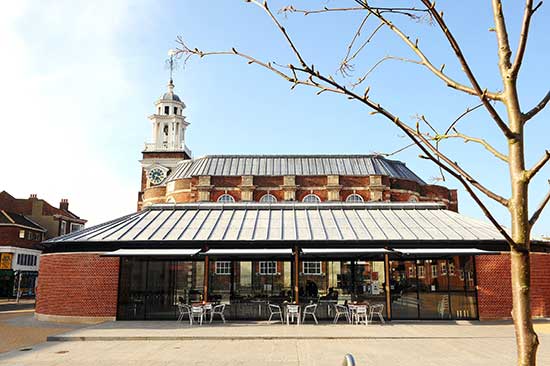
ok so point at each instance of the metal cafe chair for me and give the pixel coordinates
(292, 311)
(275, 310)
(218, 310)
(341, 310)
(377, 310)
(197, 312)
(360, 313)
(185, 310)
(310, 310)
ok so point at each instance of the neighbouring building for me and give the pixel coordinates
(24, 224)
(250, 230)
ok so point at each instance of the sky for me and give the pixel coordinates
(79, 79)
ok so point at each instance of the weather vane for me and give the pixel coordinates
(171, 62)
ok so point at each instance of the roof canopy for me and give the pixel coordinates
(280, 165)
(257, 225)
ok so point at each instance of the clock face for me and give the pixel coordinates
(156, 175)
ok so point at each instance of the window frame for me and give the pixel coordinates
(222, 268)
(316, 197)
(268, 268)
(434, 271)
(349, 198)
(221, 199)
(308, 266)
(268, 198)
(421, 271)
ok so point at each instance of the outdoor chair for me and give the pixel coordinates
(197, 312)
(341, 310)
(377, 310)
(275, 310)
(292, 311)
(218, 310)
(310, 310)
(185, 310)
(360, 313)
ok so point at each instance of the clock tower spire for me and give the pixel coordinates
(167, 147)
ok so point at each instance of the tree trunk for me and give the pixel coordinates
(526, 338)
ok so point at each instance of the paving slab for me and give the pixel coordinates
(170, 330)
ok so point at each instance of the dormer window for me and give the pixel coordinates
(166, 110)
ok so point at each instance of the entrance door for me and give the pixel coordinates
(160, 302)
(403, 289)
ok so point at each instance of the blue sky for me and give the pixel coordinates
(80, 81)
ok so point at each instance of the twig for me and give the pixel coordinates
(482, 94)
(477, 140)
(530, 174)
(539, 107)
(539, 210)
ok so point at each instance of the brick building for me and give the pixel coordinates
(249, 230)
(24, 223)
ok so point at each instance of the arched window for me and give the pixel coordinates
(355, 198)
(171, 200)
(166, 109)
(268, 198)
(226, 198)
(175, 110)
(311, 198)
(413, 199)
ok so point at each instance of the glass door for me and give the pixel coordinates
(403, 289)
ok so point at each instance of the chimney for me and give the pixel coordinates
(64, 204)
(32, 196)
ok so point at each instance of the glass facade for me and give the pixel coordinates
(433, 288)
(419, 288)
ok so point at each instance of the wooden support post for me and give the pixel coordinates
(387, 286)
(206, 277)
(296, 273)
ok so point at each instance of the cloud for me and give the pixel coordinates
(63, 84)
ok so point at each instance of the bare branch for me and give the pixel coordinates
(482, 94)
(530, 174)
(539, 210)
(539, 107)
(504, 50)
(477, 140)
(325, 83)
(345, 64)
(528, 13)
(468, 110)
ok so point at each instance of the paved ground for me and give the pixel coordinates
(262, 344)
(19, 329)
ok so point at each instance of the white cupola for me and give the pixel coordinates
(168, 124)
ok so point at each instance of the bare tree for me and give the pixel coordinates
(423, 134)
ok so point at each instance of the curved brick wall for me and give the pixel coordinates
(494, 288)
(81, 285)
(390, 189)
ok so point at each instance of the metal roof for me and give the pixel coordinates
(341, 222)
(305, 165)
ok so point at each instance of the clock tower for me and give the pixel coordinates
(168, 147)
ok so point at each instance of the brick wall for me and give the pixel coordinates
(395, 189)
(10, 236)
(494, 288)
(78, 284)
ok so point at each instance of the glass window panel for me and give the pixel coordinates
(463, 305)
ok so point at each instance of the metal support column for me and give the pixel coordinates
(206, 278)
(387, 288)
(296, 273)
